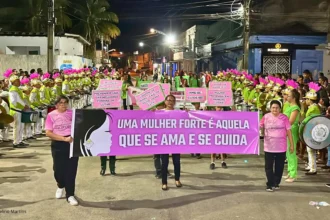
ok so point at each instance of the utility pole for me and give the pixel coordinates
(50, 36)
(246, 37)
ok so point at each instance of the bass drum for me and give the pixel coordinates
(314, 131)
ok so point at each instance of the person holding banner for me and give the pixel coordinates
(127, 83)
(277, 129)
(169, 106)
(58, 129)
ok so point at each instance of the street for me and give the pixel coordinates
(27, 190)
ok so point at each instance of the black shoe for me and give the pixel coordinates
(212, 166)
(32, 138)
(224, 165)
(199, 157)
(113, 173)
(23, 144)
(325, 167)
(102, 172)
(18, 146)
(311, 173)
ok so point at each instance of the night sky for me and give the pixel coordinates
(138, 16)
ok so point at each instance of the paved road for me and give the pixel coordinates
(27, 186)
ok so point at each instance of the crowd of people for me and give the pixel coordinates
(283, 103)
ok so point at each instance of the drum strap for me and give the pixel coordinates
(16, 110)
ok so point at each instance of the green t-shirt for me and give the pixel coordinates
(313, 110)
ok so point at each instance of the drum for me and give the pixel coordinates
(50, 109)
(314, 131)
(43, 113)
(29, 117)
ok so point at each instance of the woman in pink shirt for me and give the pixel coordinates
(276, 128)
(58, 128)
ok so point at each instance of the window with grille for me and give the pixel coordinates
(276, 64)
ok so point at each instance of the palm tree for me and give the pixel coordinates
(96, 22)
(33, 15)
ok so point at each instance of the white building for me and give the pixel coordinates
(29, 51)
(27, 44)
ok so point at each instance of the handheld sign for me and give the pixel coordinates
(132, 92)
(219, 98)
(106, 84)
(150, 98)
(106, 98)
(165, 86)
(226, 86)
(195, 94)
(144, 85)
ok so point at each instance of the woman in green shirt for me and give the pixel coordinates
(293, 113)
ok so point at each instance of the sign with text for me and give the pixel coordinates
(219, 98)
(106, 84)
(115, 132)
(144, 85)
(106, 98)
(165, 86)
(225, 85)
(195, 94)
(150, 98)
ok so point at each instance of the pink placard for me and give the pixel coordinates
(106, 84)
(195, 94)
(150, 98)
(219, 98)
(179, 96)
(165, 86)
(106, 98)
(225, 86)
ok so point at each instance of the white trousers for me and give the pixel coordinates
(38, 126)
(17, 128)
(311, 159)
(27, 130)
(4, 133)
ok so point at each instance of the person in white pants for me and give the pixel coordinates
(27, 131)
(17, 105)
(35, 104)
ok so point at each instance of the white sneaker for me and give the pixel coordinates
(59, 193)
(72, 200)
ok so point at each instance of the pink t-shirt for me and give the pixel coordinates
(275, 139)
(59, 123)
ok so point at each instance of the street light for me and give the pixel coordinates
(152, 30)
(141, 44)
(121, 52)
(170, 39)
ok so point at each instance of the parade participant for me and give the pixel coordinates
(277, 128)
(57, 88)
(177, 80)
(312, 100)
(222, 156)
(17, 105)
(44, 93)
(35, 102)
(194, 81)
(126, 84)
(27, 127)
(170, 103)
(261, 98)
(66, 88)
(4, 133)
(293, 113)
(277, 90)
(58, 128)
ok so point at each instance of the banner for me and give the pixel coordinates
(115, 132)
(226, 85)
(150, 98)
(195, 94)
(107, 84)
(165, 86)
(219, 98)
(106, 98)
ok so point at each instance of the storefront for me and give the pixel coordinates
(276, 58)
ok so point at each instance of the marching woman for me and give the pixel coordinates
(276, 128)
(293, 113)
(169, 106)
(58, 128)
